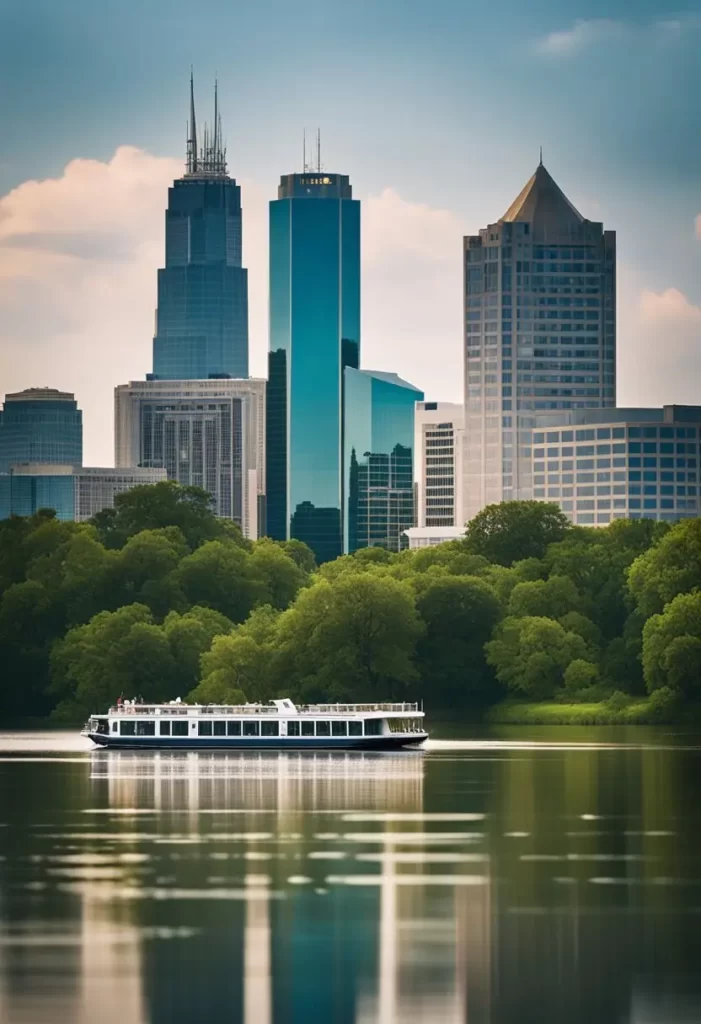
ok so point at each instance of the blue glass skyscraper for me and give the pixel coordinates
(202, 315)
(314, 334)
(378, 459)
(41, 425)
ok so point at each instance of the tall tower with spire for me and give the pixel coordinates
(540, 337)
(202, 314)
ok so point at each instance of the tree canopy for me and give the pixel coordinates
(514, 530)
(158, 597)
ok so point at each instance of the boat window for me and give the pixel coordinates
(233, 728)
(127, 728)
(205, 728)
(339, 728)
(180, 728)
(307, 728)
(251, 728)
(145, 728)
(165, 728)
(355, 728)
(115, 726)
(220, 728)
(270, 728)
(323, 728)
(293, 728)
(373, 726)
(405, 725)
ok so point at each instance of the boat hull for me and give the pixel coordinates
(256, 743)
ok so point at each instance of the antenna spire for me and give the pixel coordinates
(540, 164)
(192, 131)
(318, 150)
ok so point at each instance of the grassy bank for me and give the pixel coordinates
(638, 711)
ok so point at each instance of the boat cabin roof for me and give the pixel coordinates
(282, 707)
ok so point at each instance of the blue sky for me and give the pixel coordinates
(440, 107)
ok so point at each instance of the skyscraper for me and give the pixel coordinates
(40, 425)
(540, 333)
(378, 431)
(202, 315)
(314, 334)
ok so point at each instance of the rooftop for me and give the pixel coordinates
(40, 395)
(541, 201)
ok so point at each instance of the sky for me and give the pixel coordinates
(436, 111)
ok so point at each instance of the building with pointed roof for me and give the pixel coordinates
(540, 333)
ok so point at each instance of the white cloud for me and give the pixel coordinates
(659, 349)
(412, 287)
(580, 36)
(585, 33)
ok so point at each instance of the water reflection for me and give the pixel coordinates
(481, 883)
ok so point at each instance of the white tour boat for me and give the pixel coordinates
(274, 726)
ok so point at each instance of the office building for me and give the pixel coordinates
(540, 333)
(74, 492)
(428, 536)
(606, 464)
(439, 464)
(206, 433)
(378, 431)
(40, 425)
(202, 315)
(314, 334)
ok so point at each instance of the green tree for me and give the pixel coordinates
(219, 575)
(459, 613)
(278, 573)
(530, 655)
(155, 506)
(514, 530)
(116, 652)
(241, 661)
(551, 598)
(672, 646)
(353, 638)
(580, 675)
(300, 553)
(190, 636)
(671, 567)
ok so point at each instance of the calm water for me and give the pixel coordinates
(542, 875)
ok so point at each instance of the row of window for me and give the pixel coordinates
(372, 727)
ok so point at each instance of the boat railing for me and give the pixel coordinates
(262, 709)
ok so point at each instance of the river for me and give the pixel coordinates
(531, 874)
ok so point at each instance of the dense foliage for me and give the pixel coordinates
(157, 597)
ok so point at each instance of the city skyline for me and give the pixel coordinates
(86, 236)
